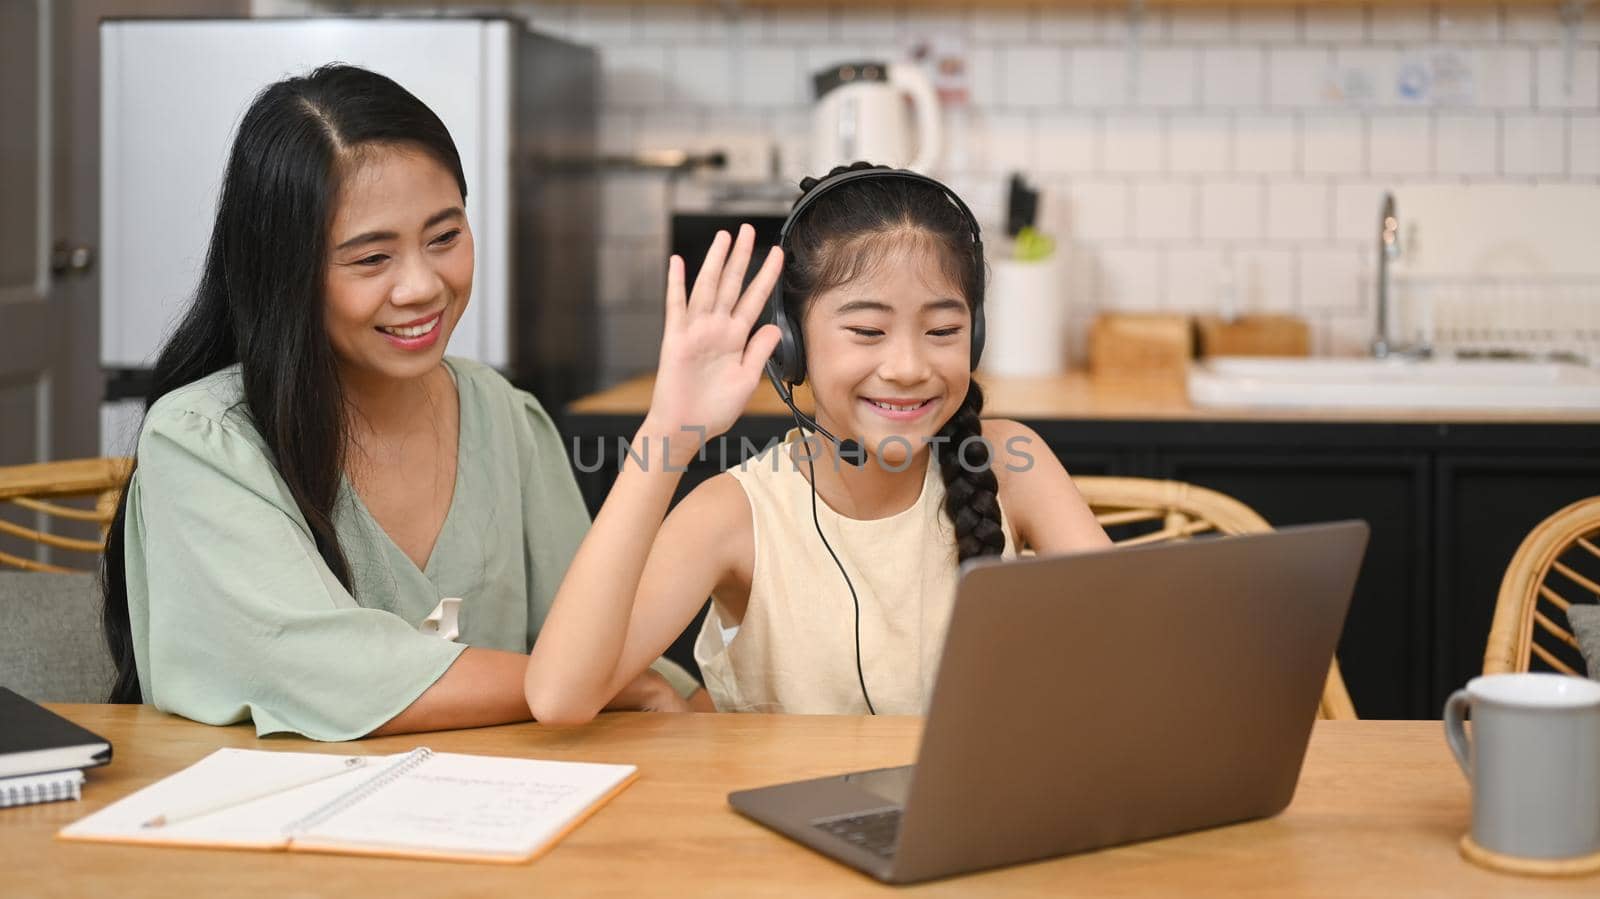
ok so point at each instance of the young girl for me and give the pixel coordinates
(313, 477)
(832, 582)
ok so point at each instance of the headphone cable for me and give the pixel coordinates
(854, 602)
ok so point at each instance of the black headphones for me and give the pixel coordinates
(788, 362)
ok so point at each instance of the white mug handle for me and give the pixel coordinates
(1455, 729)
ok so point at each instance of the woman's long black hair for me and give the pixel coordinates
(259, 303)
(838, 239)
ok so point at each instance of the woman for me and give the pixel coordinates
(313, 476)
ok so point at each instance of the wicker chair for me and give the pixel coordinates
(36, 489)
(1557, 566)
(1141, 510)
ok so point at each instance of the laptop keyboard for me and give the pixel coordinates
(875, 832)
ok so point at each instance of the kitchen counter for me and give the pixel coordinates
(1077, 396)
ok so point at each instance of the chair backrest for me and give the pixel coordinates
(52, 648)
(38, 488)
(1557, 566)
(1145, 510)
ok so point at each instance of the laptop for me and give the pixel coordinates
(1094, 699)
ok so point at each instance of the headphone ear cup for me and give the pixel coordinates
(795, 364)
(790, 353)
(977, 333)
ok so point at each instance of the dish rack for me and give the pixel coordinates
(1532, 316)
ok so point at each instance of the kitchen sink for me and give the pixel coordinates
(1394, 383)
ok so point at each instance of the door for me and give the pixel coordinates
(43, 368)
(51, 384)
(31, 325)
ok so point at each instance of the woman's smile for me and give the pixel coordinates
(416, 335)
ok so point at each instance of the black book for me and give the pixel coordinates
(34, 740)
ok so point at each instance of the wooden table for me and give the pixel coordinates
(1378, 812)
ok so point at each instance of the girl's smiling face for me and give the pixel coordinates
(888, 353)
(399, 267)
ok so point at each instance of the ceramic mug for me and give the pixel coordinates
(1533, 761)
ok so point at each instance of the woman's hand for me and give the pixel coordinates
(710, 361)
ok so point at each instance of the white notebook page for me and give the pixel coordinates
(471, 804)
(226, 772)
(444, 804)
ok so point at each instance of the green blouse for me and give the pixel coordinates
(235, 615)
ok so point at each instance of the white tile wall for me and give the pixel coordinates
(1065, 144)
(1265, 144)
(1132, 143)
(1195, 276)
(1300, 211)
(1504, 77)
(1568, 81)
(1356, 206)
(1297, 77)
(1131, 278)
(1264, 280)
(1333, 143)
(1583, 154)
(1198, 144)
(1233, 76)
(1167, 77)
(702, 74)
(1399, 145)
(1232, 210)
(1533, 145)
(1093, 210)
(1333, 279)
(1033, 78)
(1099, 77)
(1007, 143)
(1466, 144)
(769, 76)
(1164, 210)
(1223, 149)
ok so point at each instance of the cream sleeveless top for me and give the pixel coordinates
(795, 649)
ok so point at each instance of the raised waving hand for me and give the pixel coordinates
(710, 361)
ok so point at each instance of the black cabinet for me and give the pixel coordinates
(1388, 491)
(1447, 503)
(1484, 506)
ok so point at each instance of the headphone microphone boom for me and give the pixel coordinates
(848, 450)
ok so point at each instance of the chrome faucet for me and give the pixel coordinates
(1388, 251)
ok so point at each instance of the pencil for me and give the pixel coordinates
(185, 813)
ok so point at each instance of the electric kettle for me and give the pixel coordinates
(862, 113)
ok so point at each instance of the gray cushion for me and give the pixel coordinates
(1585, 621)
(51, 647)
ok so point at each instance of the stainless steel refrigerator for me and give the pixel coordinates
(520, 105)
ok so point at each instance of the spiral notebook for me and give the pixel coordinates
(420, 804)
(56, 786)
